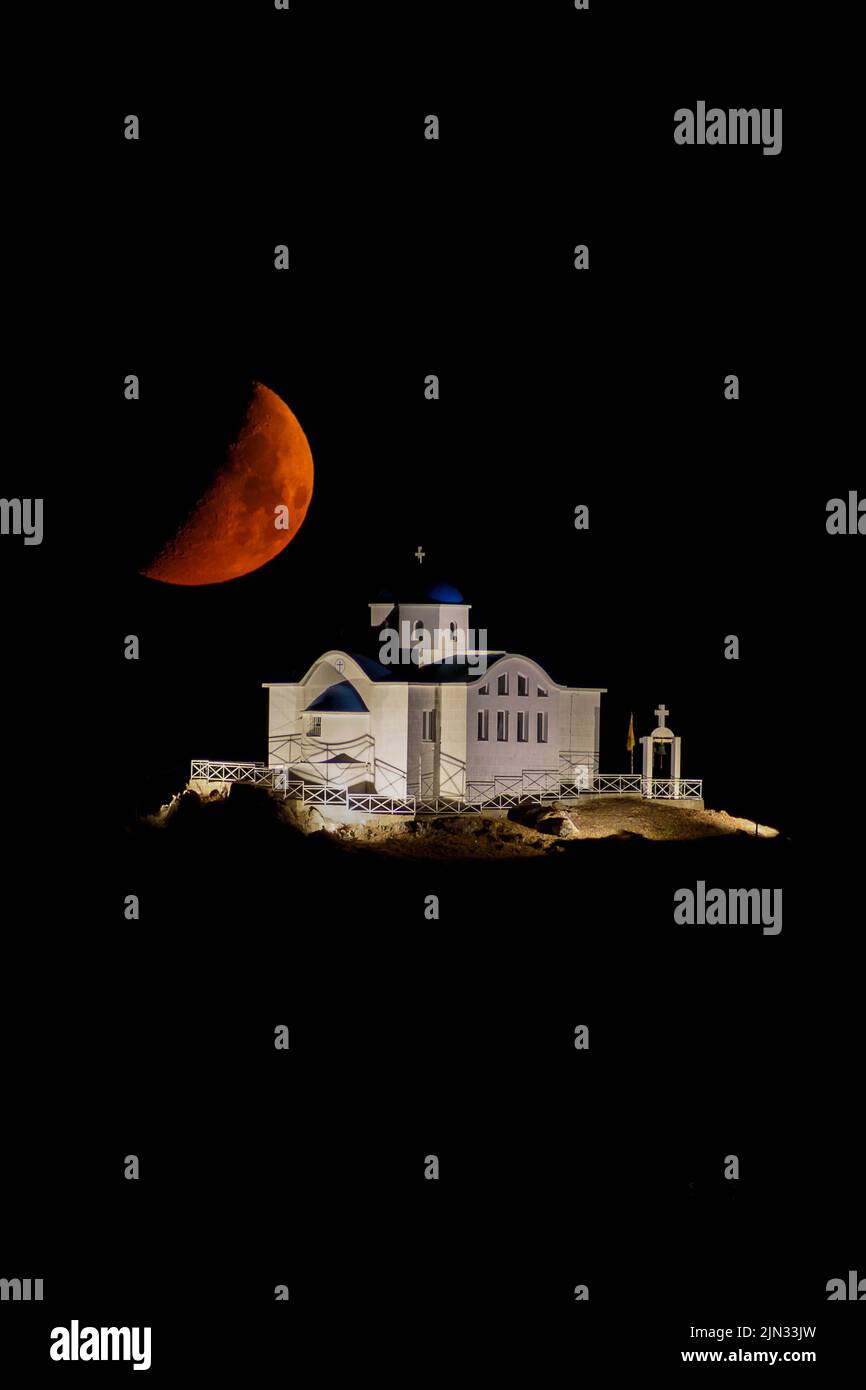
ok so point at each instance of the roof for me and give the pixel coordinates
(444, 593)
(341, 698)
(434, 673)
(371, 667)
(449, 672)
(417, 590)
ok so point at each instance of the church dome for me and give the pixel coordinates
(414, 588)
(443, 593)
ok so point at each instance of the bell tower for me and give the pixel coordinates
(661, 754)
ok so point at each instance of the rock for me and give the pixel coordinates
(528, 811)
(450, 824)
(308, 819)
(558, 823)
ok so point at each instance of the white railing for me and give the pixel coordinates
(499, 793)
(671, 789)
(619, 784)
(255, 773)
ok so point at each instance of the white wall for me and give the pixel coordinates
(438, 617)
(452, 732)
(389, 723)
(284, 705)
(572, 721)
(420, 758)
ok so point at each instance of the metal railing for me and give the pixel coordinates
(671, 788)
(618, 784)
(257, 774)
(499, 793)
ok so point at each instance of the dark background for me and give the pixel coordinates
(707, 517)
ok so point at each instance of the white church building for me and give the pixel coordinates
(436, 720)
(435, 714)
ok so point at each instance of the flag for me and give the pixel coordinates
(629, 743)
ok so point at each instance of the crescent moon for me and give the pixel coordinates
(252, 508)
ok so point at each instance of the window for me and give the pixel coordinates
(542, 690)
(418, 628)
(541, 727)
(502, 685)
(523, 726)
(483, 724)
(428, 726)
(522, 685)
(484, 690)
(502, 726)
(453, 627)
(315, 729)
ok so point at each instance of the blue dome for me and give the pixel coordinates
(444, 593)
(341, 698)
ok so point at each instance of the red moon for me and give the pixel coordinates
(234, 527)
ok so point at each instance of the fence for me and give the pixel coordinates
(500, 793)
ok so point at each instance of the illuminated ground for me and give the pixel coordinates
(484, 837)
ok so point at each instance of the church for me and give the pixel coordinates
(434, 714)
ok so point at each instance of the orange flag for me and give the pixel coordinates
(629, 743)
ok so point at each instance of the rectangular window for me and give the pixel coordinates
(541, 727)
(502, 685)
(483, 724)
(542, 690)
(428, 726)
(502, 726)
(315, 729)
(523, 726)
(484, 690)
(522, 685)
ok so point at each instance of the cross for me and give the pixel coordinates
(340, 664)
(419, 555)
(661, 712)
